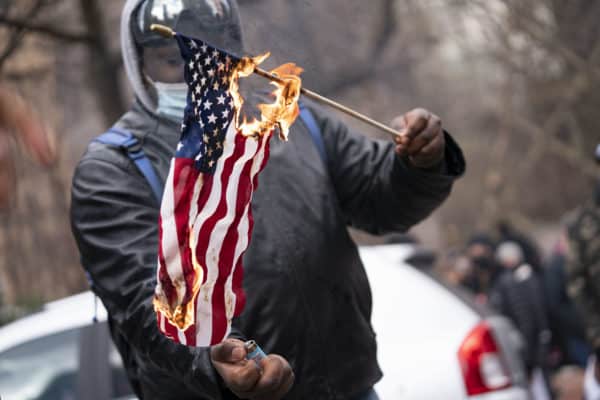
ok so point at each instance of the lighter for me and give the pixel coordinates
(254, 352)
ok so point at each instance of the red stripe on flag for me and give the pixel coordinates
(163, 277)
(171, 330)
(238, 272)
(230, 241)
(190, 332)
(185, 178)
(202, 199)
(208, 227)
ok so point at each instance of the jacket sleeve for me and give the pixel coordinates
(114, 219)
(378, 191)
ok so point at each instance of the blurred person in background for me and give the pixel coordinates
(583, 265)
(454, 268)
(567, 383)
(531, 253)
(518, 294)
(482, 270)
(308, 297)
(18, 122)
(568, 335)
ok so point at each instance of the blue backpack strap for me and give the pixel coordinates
(131, 145)
(315, 132)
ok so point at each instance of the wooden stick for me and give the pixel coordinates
(168, 32)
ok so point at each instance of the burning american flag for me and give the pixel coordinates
(206, 217)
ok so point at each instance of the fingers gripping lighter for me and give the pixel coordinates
(254, 352)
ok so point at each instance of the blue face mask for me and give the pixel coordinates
(172, 99)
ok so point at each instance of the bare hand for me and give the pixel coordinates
(271, 381)
(422, 138)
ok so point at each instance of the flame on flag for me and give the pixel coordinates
(206, 217)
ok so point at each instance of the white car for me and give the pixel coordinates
(431, 344)
(59, 353)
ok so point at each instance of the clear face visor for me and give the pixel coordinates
(213, 21)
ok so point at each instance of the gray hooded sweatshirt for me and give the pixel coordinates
(308, 298)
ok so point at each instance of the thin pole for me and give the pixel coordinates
(168, 32)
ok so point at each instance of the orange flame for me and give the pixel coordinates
(182, 314)
(282, 112)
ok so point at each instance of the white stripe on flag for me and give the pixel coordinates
(222, 226)
(243, 231)
(162, 322)
(170, 242)
(204, 300)
(181, 336)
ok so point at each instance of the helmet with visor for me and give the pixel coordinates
(215, 21)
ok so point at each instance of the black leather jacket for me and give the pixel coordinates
(308, 297)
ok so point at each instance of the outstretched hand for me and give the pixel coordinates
(270, 380)
(421, 139)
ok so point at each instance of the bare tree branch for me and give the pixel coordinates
(367, 70)
(103, 72)
(536, 30)
(17, 35)
(360, 77)
(388, 27)
(556, 146)
(13, 44)
(44, 28)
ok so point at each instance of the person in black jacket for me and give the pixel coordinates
(308, 298)
(518, 294)
(531, 252)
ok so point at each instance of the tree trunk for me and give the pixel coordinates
(103, 71)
